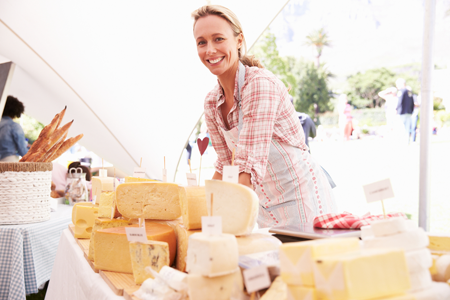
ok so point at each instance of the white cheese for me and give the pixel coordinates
(420, 280)
(389, 226)
(224, 287)
(408, 241)
(257, 242)
(418, 260)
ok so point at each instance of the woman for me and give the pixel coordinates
(12, 138)
(345, 117)
(249, 111)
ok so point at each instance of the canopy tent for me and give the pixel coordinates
(127, 70)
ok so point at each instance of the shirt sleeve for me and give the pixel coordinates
(261, 102)
(19, 139)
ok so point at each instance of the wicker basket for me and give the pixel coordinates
(25, 192)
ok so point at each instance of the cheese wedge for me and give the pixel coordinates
(102, 184)
(83, 218)
(106, 202)
(112, 251)
(439, 242)
(182, 245)
(298, 292)
(103, 223)
(408, 241)
(149, 200)
(137, 179)
(193, 206)
(237, 204)
(212, 255)
(419, 260)
(297, 259)
(277, 291)
(257, 242)
(217, 288)
(361, 275)
(151, 254)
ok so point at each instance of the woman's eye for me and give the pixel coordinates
(219, 39)
(201, 43)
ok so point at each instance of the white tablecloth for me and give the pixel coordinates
(73, 278)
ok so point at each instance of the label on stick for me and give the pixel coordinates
(164, 175)
(94, 199)
(136, 234)
(231, 174)
(378, 191)
(139, 172)
(256, 279)
(212, 225)
(191, 179)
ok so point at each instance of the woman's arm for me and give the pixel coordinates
(217, 176)
(246, 179)
(19, 139)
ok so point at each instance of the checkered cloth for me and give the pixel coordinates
(349, 221)
(27, 253)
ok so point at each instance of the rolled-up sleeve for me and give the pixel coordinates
(19, 139)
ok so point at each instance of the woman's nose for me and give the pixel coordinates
(210, 49)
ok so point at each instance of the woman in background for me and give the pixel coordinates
(12, 138)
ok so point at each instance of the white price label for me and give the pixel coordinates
(212, 225)
(191, 179)
(112, 211)
(256, 279)
(142, 223)
(231, 174)
(164, 175)
(139, 172)
(136, 234)
(378, 191)
(94, 199)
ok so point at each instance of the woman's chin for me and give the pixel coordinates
(216, 71)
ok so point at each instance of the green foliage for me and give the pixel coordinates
(366, 116)
(437, 104)
(442, 118)
(318, 39)
(31, 127)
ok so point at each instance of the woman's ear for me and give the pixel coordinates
(240, 40)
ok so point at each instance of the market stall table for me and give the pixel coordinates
(27, 253)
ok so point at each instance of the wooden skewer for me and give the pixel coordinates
(200, 170)
(190, 168)
(252, 296)
(384, 212)
(232, 156)
(212, 202)
(140, 165)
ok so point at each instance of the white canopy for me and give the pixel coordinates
(127, 70)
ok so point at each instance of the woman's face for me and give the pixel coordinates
(217, 46)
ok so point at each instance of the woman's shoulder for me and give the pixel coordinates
(261, 76)
(213, 94)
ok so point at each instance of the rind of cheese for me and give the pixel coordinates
(137, 179)
(105, 202)
(103, 223)
(212, 255)
(389, 226)
(151, 254)
(182, 245)
(193, 206)
(408, 241)
(237, 204)
(419, 260)
(217, 288)
(439, 242)
(149, 200)
(84, 217)
(442, 267)
(102, 184)
(257, 242)
(112, 251)
(367, 274)
(298, 292)
(297, 259)
(420, 280)
(277, 291)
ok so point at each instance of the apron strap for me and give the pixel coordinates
(240, 84)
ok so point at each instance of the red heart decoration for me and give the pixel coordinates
(202, 145)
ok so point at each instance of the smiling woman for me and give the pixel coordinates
(249, 113)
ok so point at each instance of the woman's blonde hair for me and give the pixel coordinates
(231, 18)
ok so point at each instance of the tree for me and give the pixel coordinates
(318, 39)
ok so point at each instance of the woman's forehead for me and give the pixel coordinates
(211, 25)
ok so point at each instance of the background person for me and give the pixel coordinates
(405, 106)
(345, 117)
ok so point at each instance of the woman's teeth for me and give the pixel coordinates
(216, 60)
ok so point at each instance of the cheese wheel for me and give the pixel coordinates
(102, 223)
(193, 206)
(182, 245)
(137, 179)
(83, 217)
(151, 254)
(105, 202)
(112, 251)
(298, 292)
(436, 291)
(224, 287)
(420, 280)
(366, 231)
(102, 184)
(439, 242)
(408, 241)
(149, 200)
(442, 268)
(237, 204)
(389, 226)
(418, 260)
(257, 242)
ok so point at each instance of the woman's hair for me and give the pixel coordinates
(13, 108)
(231, 18)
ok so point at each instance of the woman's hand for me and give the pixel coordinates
(245, 179)
(217, 176)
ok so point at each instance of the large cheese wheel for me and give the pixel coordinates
(102, 223)
(408, 241)
(217, 288)
(137, 179)
(102, 184)
(235, 203)
(257, 242)
(193, 206)
(439, 242)
(149, 200)
(106, 202)
(182, 245)
(112, 251)
(389, 226)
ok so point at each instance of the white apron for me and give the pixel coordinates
(294, 189)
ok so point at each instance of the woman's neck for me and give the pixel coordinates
(227, 81)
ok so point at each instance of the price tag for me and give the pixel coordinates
(378, 191)
(256, 279)
(112, 211)
(212, 225)
(164, 175)
(102, 173)
(230, 174)
(142, 223)
(136, 234)
(139, 172)
(191, 179)
(94, 199)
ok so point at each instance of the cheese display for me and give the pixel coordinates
(182, 245)
(442, 267)
(103, 223)
(112, 251)
(149, 200)
(102, 184)
(419, 280)
(151, 254)
(408, 240)
(137, 179)
(218, 288)
(277, 291)
(418, 260)
(366, 231)
(348, 275)
(212, 255)
(439, 242)
(83, 217)
(237, 204)
(297, 259)
(295, 292)
(257, 242)
(106, 201)
(389, 226)
(193, 206)
(74, 210)
(436, 291)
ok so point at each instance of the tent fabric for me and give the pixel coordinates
(127, 70)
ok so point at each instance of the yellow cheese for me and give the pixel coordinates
(439, 242)
(433, 268)
(297, 259)
(361, 275)
(102, 184)
(149, 200)
(112, 251)
(105, 202)
(257, 242)
(217, 288)
(277, 291)
(83, 204)
(193, 206)
(84, 220)
(103, 224)
(137, 179)
(182, 245)
(298, 292)
(151, 254)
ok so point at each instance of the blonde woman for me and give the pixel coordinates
(249, 111)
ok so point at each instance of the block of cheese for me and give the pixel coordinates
(103, 223)
(193, 206)
(182, 245)
(367, 274)
(433, 269)
(102, 184)
(74, 210)
(257, 242)
(137, 179)
(420, 280)
(297, 259)
(437, 291)
(419, 260)
(83, 218)
(212, 255)
(442, 267)
(277, 290)
(366, 231)
(298, 292)
(151, 254)
(408, 241)
(237, 204)
(224, 287)
(149, 200)
(105, 203)
(439, 242)
(112, 251)
(389, 226)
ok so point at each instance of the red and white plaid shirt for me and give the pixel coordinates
(268, 114)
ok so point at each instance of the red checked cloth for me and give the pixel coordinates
(347, 220)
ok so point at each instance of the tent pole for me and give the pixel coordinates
(6, 74)
(426, 111)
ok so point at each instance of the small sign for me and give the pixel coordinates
(378, 191)
(191, 179)
(164, 175)
(139, 172)
(230, 174)
(112, 211)
(142, 223)
(256, 279)
(94, 199)
(136, 234)
(212, 225)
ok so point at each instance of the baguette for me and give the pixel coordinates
(54, 139)
(61, 117)
(65, 146)
(53, 150)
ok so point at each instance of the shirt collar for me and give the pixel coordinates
(220, 93)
